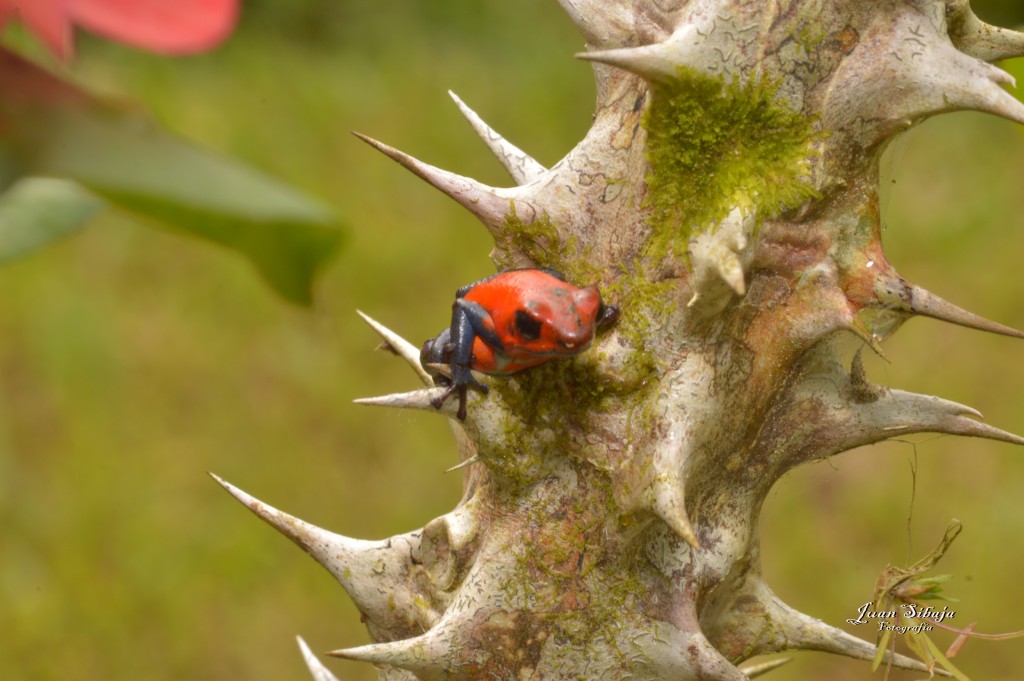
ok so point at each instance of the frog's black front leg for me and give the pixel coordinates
(469, 321)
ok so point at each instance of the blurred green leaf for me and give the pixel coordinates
(35, 211)
(937, 655)
(880, 648)
(930, 588)
(916, 643)
(53, 129)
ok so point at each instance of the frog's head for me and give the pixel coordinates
(557, 320)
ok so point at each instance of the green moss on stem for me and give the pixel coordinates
(539, 243)
(713, 146)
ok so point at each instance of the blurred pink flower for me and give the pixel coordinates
(164, 26)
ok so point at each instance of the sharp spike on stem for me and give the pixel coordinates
(994, 43)
(974, 84)
(970, 427)
(669, 504)
(851, 412)
(316, 667)
(423, 655)
(860, 329)
(895, 293)
(753, 671)
(717, 255)
(680, 524)
(973, 36)
(417, 399)
(803, 632)
(311, 538)
(900, 413)
(373, 573)
(658, 62)
(468, 462)
(649, 61)
(406, 350)
(758, 622)
(897, 412)
(969, 83)
(333, 551)
(947, 407)
(999, 76)
(731, 270)
(520, 165)
(994, 99)
(925, 303)
(489, 204)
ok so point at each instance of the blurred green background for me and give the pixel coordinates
(133, 361)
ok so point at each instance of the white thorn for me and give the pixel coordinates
(973, 36)
(731, 270)
(996, 100)
(406, 350)
(896, 293)
(755, 670)
(659, 62)
(861, 330)
(755, 620)
(648, 61)
(468, 462)
(907, 412)
(971, 428)
(316, 667)
(520, 165)
(1003, 77)
(373, 573)
(669, 504)
(489, 204)
(797, 631)
(720, 255)
(679, 524)
(417, 399)
(844, 417)
(974, 84)
(424, 655)
(925, 303)
(333, 551)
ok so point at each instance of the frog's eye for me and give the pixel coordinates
(526, 326)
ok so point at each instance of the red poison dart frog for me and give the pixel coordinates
(512, 321)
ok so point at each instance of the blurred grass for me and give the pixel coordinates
(132, 361)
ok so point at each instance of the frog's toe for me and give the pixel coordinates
(439, 401)
(477, 385)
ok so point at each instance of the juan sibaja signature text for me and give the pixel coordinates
(887, 618)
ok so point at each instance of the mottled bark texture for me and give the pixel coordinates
(726, 199)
